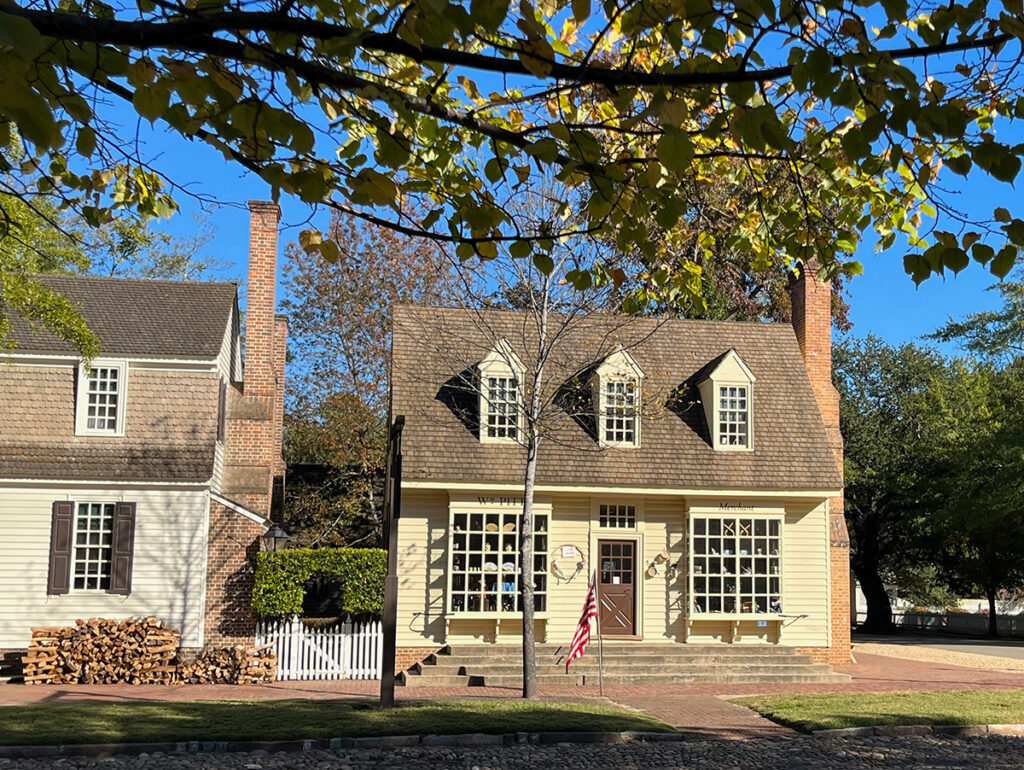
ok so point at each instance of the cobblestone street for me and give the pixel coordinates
(788, 753)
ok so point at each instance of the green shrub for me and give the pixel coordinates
(281, 577)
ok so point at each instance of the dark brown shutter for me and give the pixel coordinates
(61, 526)
(122, 549)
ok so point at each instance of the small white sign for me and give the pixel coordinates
(568, 551)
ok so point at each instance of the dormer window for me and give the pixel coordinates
(727, 391)
(733, 415)
(617, 392)
(501, 372)
(619, 419)
(100, 403)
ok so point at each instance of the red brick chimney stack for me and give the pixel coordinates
(812, 322)
(259, 316)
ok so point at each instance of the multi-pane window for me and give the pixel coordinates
(618, 516)
(502, 407)
(101, 393)
(735, 565)
(620, 412)
(485, 570)
(733, 416)
(94, 531)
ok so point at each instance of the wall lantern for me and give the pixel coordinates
(275, 539)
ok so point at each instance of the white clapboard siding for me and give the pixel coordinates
(347, 651)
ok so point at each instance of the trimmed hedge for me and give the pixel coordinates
(281, 577)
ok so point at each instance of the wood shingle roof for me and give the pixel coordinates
(139, 318)
(436, 349)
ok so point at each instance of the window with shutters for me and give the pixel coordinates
(92, 546)
(100, 406)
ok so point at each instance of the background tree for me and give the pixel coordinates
(340, 344)
(428, 117)
(887, 496)
(40, 237)
(977, 468)
(992, 333)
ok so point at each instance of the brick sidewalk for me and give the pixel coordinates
(872, 673)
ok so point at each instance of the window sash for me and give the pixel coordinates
(484, 563)
(733, 415)
(735, 565)
(92, 554)
(100, 407)
(502, 397)
(619, 420)
(617, 516)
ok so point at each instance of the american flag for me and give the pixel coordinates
(582, 635)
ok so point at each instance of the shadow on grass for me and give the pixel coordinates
(945, 707)
(70, 723)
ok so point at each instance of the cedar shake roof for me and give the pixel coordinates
(108, 463)
(139, 318)
(436, 349)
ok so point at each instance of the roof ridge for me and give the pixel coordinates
(132, 279)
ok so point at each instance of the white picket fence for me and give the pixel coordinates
(346, 651)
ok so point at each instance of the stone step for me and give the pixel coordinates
(653, 680)
(631, 663)
(679, 652)
(454, 667)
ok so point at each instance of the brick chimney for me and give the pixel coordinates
(255, 411)
(812, 322)
(259, 313)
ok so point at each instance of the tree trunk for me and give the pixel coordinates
(993, 624)
(526, 569)
(879, 619)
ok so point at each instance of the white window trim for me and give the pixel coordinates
(731, 371)
(89, 500)
(716, 433)
(82, 398)
(500, 361)
(618, 367)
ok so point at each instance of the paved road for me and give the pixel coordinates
(1000, 648)
(799, 753)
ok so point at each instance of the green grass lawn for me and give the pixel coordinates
(825, 712)
(65, 723)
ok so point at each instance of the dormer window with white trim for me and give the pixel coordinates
(617, 393)
(733, 415)
(501, 373)
(727, 392)
(100, 406)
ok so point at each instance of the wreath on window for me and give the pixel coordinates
(566, 569)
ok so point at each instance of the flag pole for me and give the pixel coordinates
(600, 641)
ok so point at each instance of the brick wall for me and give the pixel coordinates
(407, 657)
(812, 322)
(252, 444)
(230, 562)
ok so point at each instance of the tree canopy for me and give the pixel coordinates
(448, 107)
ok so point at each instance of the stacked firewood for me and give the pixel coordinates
(241, 664)
(102, 651)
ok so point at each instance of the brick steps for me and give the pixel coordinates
(500, 666)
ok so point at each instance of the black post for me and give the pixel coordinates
(392, 513)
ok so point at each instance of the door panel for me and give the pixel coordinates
(617, 587)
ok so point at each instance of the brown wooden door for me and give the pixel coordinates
(617, 587)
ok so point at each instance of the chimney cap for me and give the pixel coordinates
(265, 206)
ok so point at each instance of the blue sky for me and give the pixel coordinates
(884, 300)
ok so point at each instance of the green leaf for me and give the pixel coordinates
(581, 10)
(675, 151)
(520, 249)
(1001, 215)
(151, 102)
(982, 253)
(544, 263)
(1004, 262)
